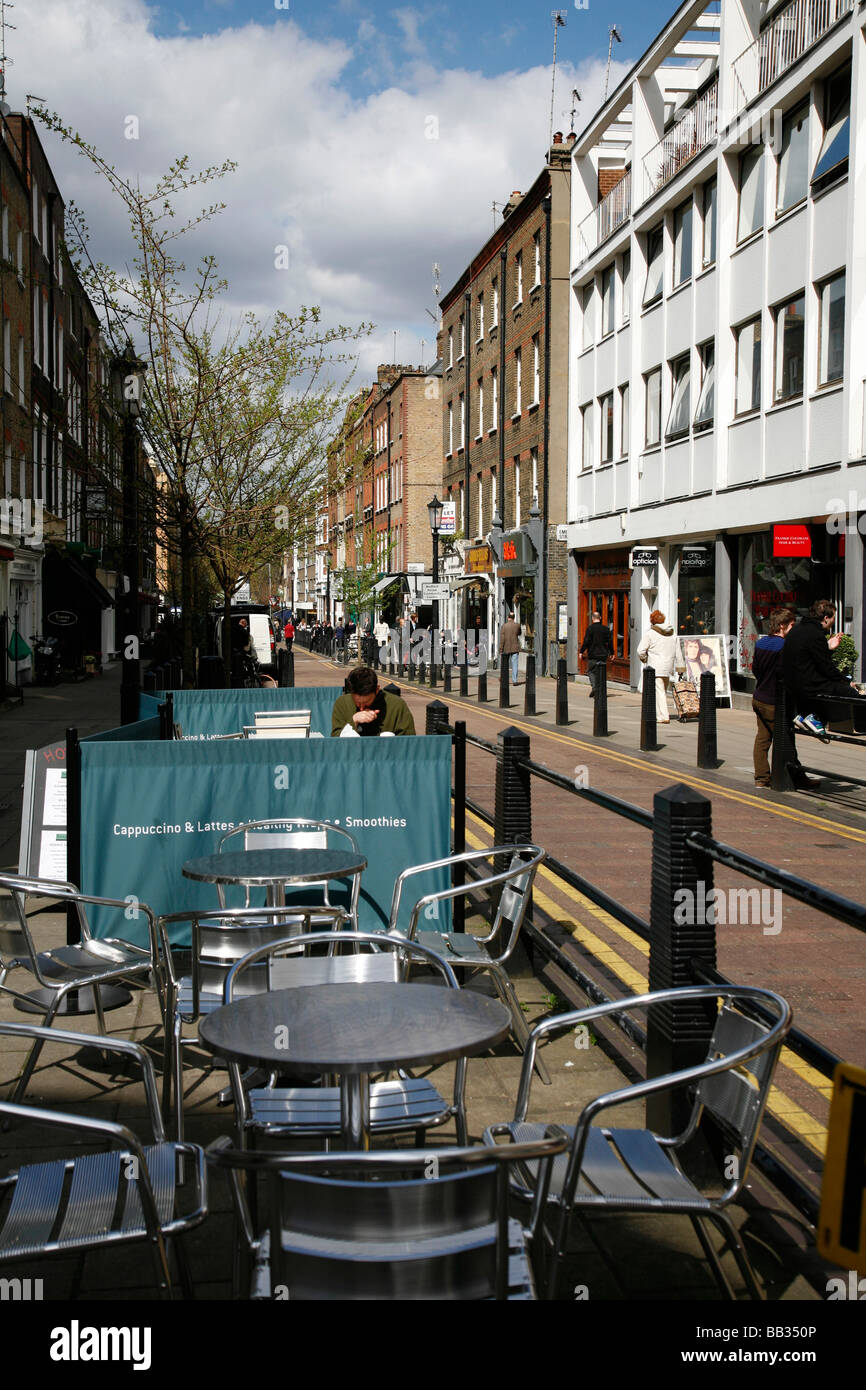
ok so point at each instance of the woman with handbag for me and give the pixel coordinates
(658, 649)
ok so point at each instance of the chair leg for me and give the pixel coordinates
(712, 1258)
(178, 1079)
(738, 1250)
(167, 1058)
(33, 1055)
(178, 1246)
(505, 990)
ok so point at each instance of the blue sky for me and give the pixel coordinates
(341, 197)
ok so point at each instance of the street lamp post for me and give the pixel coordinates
(434, 512)
(129, 388)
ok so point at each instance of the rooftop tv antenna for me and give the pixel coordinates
(4, 61)
(613, 34)
(559, 17)
(575, 98)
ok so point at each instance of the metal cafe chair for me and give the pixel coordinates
(131, 1192)
(295, 832)
(406, 1103)
(89, 962)
(492, 951)
(220, 938)
(608, 1171)
(387, 1225)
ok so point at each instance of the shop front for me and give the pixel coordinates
(517, 570)
(74, 602)
(790, 564)
(604, 585)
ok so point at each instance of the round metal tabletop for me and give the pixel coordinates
(355, 1028)
(274, 866)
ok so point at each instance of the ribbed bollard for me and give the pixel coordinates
(434, 675)
(446, 678)
(482, 686)
(512, 811)
(678, 1034)
(464, 676)
(422, 672)
(391, 688)
(529, 689)
(599, 712)
(648, 735)
(504, 676)
(410, 672)
(707, 742)
(436, 717)
(784, 747)
(562, 691)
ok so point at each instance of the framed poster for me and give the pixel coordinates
(706, 652)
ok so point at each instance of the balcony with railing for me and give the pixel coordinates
(695, 129)
(785, 39)
(606, 216)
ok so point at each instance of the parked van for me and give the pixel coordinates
(258, 620)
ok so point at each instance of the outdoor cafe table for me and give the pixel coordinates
(355, 1030)
(274, 868)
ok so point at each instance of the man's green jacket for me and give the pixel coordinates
(395, 716)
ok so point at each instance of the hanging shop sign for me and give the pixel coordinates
(479, 560)
(518, 555)
(643, 557)
(791, 540)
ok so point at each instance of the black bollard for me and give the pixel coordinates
(410, 671)
(290, 670)
(282, 668)
(784, 759)
(433, 675)
(504, 677)
(529, 692)
(446, 678)
(648, 733)
(422, 673)
(482, 687)
(562, 691)
(599, 712)
(707, 744)
(436, 717)
(464, 677)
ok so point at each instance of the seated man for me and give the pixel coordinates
(808, 668)
(369, 711)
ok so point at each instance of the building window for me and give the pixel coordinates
(450, 428)
(625, 278)
(481, 316)
(653, 388)
(22, 398)
(536, 370)
(832, 160)
(605, 406)
(494, 398)
(450, 347)
(792, 181)
(586, 430)
(706, 400)
(607, 321)
(480, 530)
(518, 381)
(654, 264)
(750, 216)
(586, 304)
(518, 272)
(683, 242)
(710, 190)
(536, 251)
(462, 337)
(790, 325)
(679, 413)
(494, 501)
(462, 421)
(36, 210)
(533, 470)
(623, 420)
(748, 367)
(494, 289)
(831, 329)
(7, 356)
(480, 406)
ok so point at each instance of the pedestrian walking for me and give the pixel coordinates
(766, 668)
(509, 645)
(658, 649)
(597, 646)
(289, 634)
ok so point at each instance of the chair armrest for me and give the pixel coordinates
(119, 1045)
(469, 857)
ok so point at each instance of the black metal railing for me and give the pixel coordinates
(684, 853)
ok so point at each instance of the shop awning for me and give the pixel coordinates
(87, 582)
(383, 584)
(468, 580)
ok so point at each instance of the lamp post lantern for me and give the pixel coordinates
(129, 373)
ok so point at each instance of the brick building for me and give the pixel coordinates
(504, 351)
(383, 469)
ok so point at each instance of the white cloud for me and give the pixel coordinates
(351, 185)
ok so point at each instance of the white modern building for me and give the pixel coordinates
(717, 372)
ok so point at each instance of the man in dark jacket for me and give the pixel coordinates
(597, 646)
(808, 669)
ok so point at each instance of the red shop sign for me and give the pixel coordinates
(791, 540)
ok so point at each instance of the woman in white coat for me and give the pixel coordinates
(658, 649)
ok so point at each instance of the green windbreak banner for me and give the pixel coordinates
(127, 733)
(146, 808)
(148, 705)
(204, 713)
